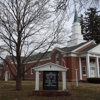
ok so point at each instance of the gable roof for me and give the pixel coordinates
(50, 67)
(89, 48)
(69, 49)
(48, 54)
(38, 56)
(33, 57)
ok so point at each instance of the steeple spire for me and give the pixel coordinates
(76, 37)
(76, 16)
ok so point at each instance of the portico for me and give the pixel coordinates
(51, 67)
(91, 63)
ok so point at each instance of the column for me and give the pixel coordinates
(97, 66)
(80, 68)
(88, 65)
(37, 81)
(6, 76)
(64, 80)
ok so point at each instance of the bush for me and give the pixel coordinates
(93, 80)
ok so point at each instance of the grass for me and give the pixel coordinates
(85, 91)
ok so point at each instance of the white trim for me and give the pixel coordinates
(80, 68)
(84, 75)
(72, 55)
(37, 80)
(63, 80)
(88, 65)
(58, 50)
(33, 61)
(47, 67)
(25, 70)
(32, 68)
(95, 47)
(97, 66)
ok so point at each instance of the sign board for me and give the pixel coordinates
(50, 80)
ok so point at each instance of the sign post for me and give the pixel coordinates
(76, 77)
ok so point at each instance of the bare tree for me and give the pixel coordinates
(29, 25)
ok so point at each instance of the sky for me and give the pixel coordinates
(69, 17)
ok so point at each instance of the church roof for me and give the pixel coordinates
(89, 48)
(48, 54)
(38, 56)
(69, 49)
(33, 57)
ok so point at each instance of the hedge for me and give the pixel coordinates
(93, 80)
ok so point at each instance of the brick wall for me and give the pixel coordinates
(1, 74)
(72, 64)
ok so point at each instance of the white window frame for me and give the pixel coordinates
(32, 68)
(84, 70)
(57, 58)
(25, 70)
(99, 71)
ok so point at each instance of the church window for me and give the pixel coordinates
(84, 70)
(32, 70)
(57, 58)
(25, 69)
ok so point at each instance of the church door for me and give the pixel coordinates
(92, 72)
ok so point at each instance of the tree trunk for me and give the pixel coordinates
(18, 83)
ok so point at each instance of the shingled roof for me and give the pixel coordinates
(49, 53)
(69, 49)
(33, 57)
(38, 56)
(89, 48)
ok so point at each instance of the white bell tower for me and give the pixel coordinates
(76, 37)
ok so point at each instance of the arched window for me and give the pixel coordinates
(57, 58)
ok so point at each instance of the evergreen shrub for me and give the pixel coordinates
(93, 80)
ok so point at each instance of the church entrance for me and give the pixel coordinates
(92, 72)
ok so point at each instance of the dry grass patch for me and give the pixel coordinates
(85, 91)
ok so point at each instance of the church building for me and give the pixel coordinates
(79, 54)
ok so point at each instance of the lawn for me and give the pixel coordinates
(85, 91)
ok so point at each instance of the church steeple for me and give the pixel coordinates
(76, 16)
(76, 37)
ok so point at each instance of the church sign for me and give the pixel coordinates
(50, 80)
